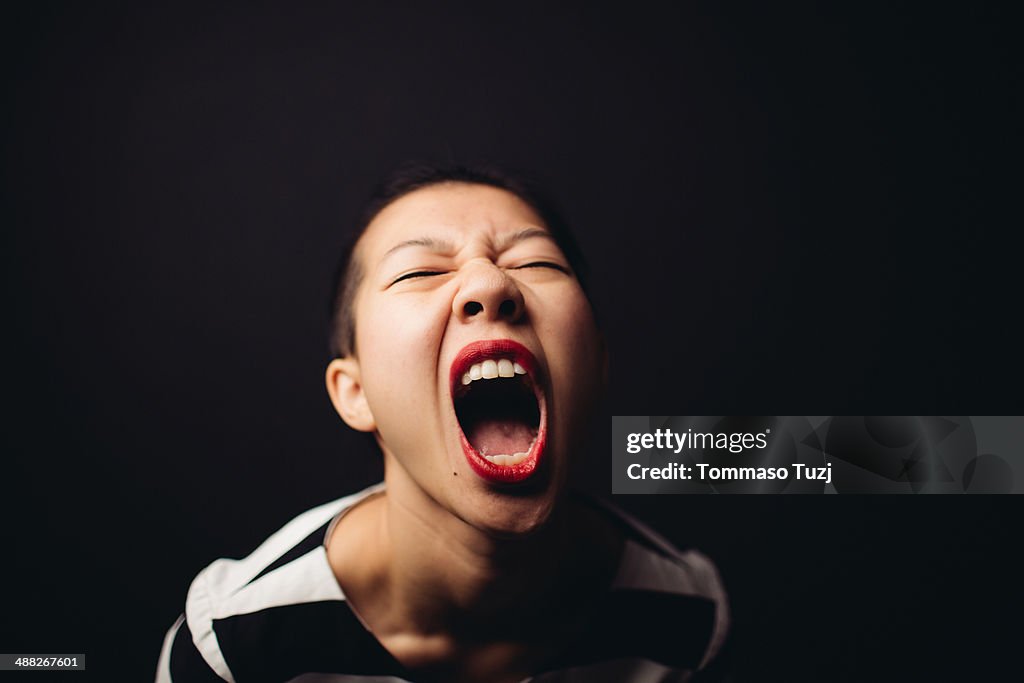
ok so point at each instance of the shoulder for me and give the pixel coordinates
(651, 562)
(667, 605)
(232, 603)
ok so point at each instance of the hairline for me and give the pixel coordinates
(352, 271)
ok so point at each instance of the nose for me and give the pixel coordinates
(487, 293)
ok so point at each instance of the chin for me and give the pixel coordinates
(504, 516)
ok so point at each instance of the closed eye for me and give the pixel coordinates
(418, 273)
(543, 264)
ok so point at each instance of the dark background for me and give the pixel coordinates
(788, 210)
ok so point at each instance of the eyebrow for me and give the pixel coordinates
(440, 245)
(526, 234)
(429, 242)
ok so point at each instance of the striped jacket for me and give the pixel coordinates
(280, 615)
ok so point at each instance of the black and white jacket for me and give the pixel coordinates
(279, 615)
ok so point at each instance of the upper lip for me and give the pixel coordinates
(491, 349)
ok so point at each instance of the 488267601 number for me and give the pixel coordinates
(47, 662)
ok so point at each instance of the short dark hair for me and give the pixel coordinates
(415, 176)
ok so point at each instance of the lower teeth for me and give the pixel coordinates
(507, 460)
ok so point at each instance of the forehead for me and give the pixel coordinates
(450, 211)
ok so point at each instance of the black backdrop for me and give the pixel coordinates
(788, 210)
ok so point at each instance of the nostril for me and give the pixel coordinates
(507, 308)
(473, 307)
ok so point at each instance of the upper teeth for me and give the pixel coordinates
(489, 369)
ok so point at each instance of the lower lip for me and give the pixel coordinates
(508, 474)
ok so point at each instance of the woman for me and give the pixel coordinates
(465, 343)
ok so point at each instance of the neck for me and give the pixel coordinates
(447, 576)
(416, 573)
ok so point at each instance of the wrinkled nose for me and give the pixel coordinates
(488, 294)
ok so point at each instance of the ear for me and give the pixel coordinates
(345, 388)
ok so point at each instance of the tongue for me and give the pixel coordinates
(493, 436)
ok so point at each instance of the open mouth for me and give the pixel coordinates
(500, 408)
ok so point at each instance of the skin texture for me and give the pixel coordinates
(453, 573)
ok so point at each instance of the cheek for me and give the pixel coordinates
(387, 336)
(398, 343)
(578, 352)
